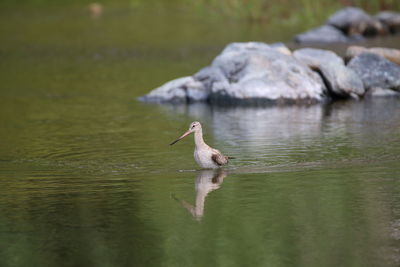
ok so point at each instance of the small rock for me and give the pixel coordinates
(95, 10)
(344, 18)
(388, 53)
(340, 80)
(322, 34)
(354, 21)
(390, 19)
(380, 92)
(376, 71)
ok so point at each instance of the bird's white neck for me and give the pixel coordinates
(198, 138)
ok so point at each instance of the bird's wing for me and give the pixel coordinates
(218, 158)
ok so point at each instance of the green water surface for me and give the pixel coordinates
(87, 177)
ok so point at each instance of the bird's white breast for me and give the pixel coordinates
(203, 158)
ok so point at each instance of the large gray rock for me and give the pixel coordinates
(257, 71)
(248, 73)
(340, 80)
(322, 34)
(354, 21)
(390, 19)
(376, 71)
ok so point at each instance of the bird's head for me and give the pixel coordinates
(194, 127)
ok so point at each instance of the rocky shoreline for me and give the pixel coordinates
(258, 73)
(352, 24)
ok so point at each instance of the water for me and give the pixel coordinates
(88, 179)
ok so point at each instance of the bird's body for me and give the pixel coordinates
(204, 159)
(205, 156)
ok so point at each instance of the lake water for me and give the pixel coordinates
(87, 177)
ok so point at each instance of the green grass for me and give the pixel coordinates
(285, 11)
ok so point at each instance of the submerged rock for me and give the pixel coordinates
(246, 73)
(322, 34)
(390, 19)
(388, 53)
(355, 21)
(339, 79)
(376, 71)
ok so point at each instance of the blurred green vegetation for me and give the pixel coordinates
(265, 10)
(289, 12)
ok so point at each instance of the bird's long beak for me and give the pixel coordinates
(183, 136)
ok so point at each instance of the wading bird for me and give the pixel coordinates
(206, 156)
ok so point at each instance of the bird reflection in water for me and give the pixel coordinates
(206, 181)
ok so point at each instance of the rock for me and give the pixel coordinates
(388, 53)
(184, 89)
(348, 16)
(340, 80)
(390, 19)
(211, 77)
(353, 20)
(314, 58)
(379, 92)
(247, 73)
(95, 10)
(376, 71)
(322, 34)
(255, 71)
(281, 47)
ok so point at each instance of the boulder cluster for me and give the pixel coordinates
(352, 24)
(256, 73)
